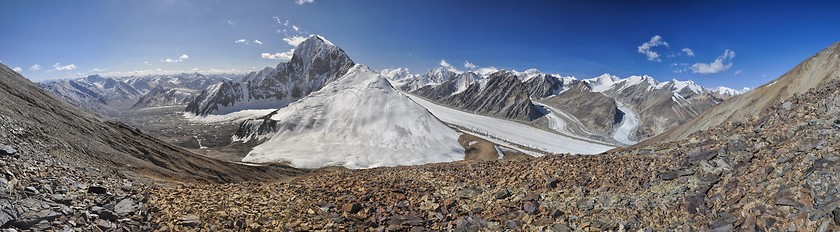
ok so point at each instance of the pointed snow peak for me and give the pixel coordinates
(602, 82)
(634, 80)
(322, 39)
(527, 74)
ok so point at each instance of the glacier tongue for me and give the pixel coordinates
(357, 121)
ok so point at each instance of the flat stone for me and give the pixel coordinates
(531, 207)
(189, 220)
(7, 212)
(560, 228)
(787, 202)
(502, 194)
(7, 150)
(31, 190)
(103, 224)
(551, 183)
(125, 207)
(586, 204)
(351, 207)
(97, 190)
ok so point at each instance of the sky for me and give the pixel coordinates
(715, 43)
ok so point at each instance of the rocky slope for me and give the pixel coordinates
(813, 72)
(63, 168)
(773, 172)
(501, 95)
(545, 85)
(315, 63)
(599, 115)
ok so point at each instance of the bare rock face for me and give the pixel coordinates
(315, 63)
(500, 95)
(595, 110)
(544, 85)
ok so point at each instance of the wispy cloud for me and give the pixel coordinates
(181, 58)
(94, 70)
(294, 40)
(257, 41)
(35, 67)
(301, 2)
(241, 41)
(231, 23)
(722, 63)
(283, 56)
(647, 48)
(469, 65)
(295, 28)
(448, 66)
(688, 51)
(59, 67)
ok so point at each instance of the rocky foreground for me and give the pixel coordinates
(774, 172)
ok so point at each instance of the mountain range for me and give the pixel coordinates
(109, 95)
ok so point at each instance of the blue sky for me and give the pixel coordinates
(583, 39)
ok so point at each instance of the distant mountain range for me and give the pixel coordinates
(597, 108)
(112, 94)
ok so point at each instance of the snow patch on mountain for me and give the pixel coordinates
(357, 121)
(629, 123)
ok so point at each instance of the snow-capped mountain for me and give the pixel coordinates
(432, 77)
(107, 94)
(544, 85)
(356, 121)
(162, 96)
(501, 95)
(651, 106)
(315, 63)
(397, 74)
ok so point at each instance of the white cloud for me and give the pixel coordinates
(737, 72)
(181, 58)
(241, 41)
(257, 41)
(448, 66)
(97, 70)
(231, 23)
(295, 28)
(284, 56)
(484, 71)
(445, 64)
(294, 40)
(17, 69)
(35, 67)
(301, 2)
(277, 19)
(722, 63)
(59, 67)
(469, 65)
(646, 48)
(688, 51)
